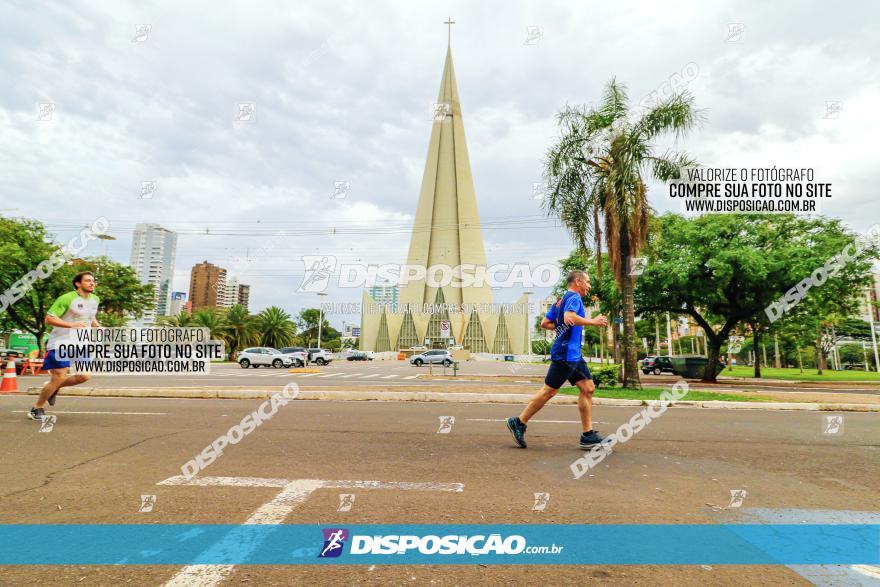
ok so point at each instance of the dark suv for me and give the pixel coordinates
(657, 365)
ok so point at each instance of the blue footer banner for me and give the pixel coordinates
(377, 544)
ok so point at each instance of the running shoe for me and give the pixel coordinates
(518, 430)
(591, 439)
(37, 414)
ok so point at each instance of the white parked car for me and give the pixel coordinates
(264, 356)
(436, 356)
(319, 356)
(299, 357)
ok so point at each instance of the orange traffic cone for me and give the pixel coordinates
(10, 383)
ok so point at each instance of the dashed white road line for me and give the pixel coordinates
(294, 492)
(543, 421)
(370, 376)
(101, 413)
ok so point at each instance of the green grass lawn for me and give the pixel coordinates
(654, 393)
(807, 375)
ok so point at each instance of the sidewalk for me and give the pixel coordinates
(457, 395)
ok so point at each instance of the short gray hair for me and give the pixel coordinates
(575, 275)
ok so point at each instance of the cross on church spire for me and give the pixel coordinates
(449, 24)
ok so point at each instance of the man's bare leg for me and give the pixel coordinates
(542, 397)
(58, 379)
(585, 403)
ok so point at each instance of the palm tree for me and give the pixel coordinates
(182, 320)
(239, 329)
(596, 170)
(275, 327)
(213, 320)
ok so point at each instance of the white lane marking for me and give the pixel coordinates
(307, 374)
(347, 376)
(390, 376)
(544, 421)
(273, 512)
(411, 377)
(328, 375)
(429, 486)
(370, 376)
(225, 481)
(294, 493)
(102, 413)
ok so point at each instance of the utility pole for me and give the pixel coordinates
(320, 316)
(873, 334)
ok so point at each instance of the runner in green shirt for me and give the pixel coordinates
(76, 309)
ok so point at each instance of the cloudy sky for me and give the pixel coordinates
(343, 92)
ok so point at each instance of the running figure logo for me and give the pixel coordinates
(446, 423)
(319, 268)
(737, 497)
(541, 501)
(346, 501)
(48, 423)
(833, 425)
(147, 503)
(334, 540)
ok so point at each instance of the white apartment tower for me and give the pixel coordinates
(152, 257)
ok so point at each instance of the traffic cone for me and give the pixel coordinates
(10, 383)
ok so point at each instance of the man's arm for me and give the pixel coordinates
(572, 319)
(95, 323)
(548, 324)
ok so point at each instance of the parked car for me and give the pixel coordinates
(319, 356)
(297, 353)
(657, 365)
(436, 356)
(358, 356)
(264, 356)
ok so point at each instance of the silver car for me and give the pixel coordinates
(436, 356)
(263, 356)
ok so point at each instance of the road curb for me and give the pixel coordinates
(450, 397)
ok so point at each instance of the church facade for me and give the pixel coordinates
(434, 310)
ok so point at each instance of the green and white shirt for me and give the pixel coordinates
(71, 307)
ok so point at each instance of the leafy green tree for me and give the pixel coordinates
(25, 245)
(851, 354)
(308, 325)
(598, 168)
(122, 294)
(275, 327)
(240, 329)
(726, 269)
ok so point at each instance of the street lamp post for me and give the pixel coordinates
(320, 317)
(528, 338)
(873, 334)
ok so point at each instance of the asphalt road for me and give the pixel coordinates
(104, 453)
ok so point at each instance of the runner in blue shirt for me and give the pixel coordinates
(568, 318)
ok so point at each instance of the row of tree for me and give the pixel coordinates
(272, 327)
(25, 243)
(721, 270)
